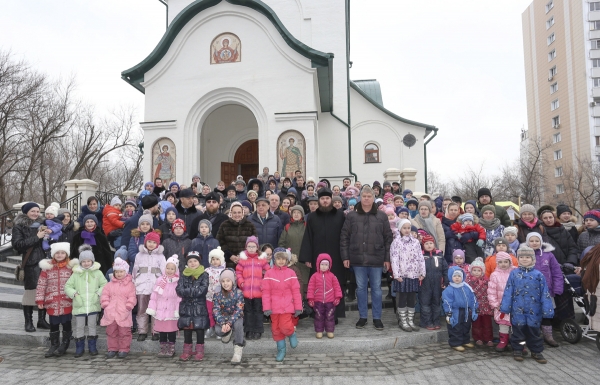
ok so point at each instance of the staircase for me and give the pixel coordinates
(11, 290)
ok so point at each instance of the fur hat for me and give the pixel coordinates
(178, 223)
(282, 253)
(207, 223)
(28, 206)
(477, 263)
(91, 217)
(488, 208)
(152, 236)
(229, 274)
(115, 201)
(527, 208)
(174, 259)
(52, 209)
(543, 209)
(193, 254)
(484, 191)
(120, 264)
(217, 253)
(60, 246)
(146, 217)
(511, 230)
(526, 251)
(86, 254)
(560, 209)
(297, 208)
(252, 239)
(121, 253)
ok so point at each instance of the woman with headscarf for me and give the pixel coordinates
(427, 221)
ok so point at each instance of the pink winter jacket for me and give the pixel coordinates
(249, 274)
(117, 300)
(496, 286)
(148, 267)
(281, 291)
(323, 287)
(165, 306)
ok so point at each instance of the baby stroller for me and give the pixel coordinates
(569, 329)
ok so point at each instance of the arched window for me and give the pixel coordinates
(371, 153)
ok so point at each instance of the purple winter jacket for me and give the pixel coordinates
(547, 264)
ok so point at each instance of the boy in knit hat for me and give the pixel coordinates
(482, 327)
(228, 311)
(527, 300)
(436, 279)
(205, 243)
(591, 235)
(128, 210)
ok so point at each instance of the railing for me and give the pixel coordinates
(105, 197)
(6, 226)
(73, 205)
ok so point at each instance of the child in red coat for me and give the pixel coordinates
(282, 300)
(472, 236)
(324, 294)
(50, 295)
(482, 327)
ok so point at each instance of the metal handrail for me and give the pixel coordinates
(6, 226)
(104, 197)
(73, 204)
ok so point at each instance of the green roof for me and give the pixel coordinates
(322, 61)
(372, 88)
(379, 105)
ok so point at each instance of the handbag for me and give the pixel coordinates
(20, 270)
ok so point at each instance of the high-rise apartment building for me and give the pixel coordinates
(561, 42)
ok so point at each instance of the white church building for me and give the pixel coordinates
(237, 85)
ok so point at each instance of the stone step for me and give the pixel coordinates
(9, 278)
(7, 267)
(15, 260)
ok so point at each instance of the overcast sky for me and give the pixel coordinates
(455, 64)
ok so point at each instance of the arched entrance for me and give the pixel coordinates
(245, 163)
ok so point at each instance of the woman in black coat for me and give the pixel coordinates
(27, 236)
(93, 235)
(70, 227)
(93, 207)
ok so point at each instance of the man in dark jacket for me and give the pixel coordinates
(185, 207)
(268, 226)
(484, 197)
(149, 202)
(322, 235)
(274, 209)
(365, 245)
(212, 214)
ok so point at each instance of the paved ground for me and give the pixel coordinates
(428, 364)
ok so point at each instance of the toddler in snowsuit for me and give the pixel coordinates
(471, 236)
(53, 224)
(460, 306)
(482, 327)
(217, 264)
(117, 300)
(324, 294)
(458, 259)
(228, 312)
(436, 279)
(496, 287)
(84, 288)
(527, 300)
(282, 301)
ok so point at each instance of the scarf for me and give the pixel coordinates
(162, 282)
(531, 225)
(569, 225)
(62, 263)
(489, 225)
(428, 226)
(193, 272)
(413, 213)
(88, 237)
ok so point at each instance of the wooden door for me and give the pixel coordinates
(228, 172)
(247, 157)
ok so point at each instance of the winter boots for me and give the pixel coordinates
(28, 314)
(64, 345)
(319, 335)
(329, 335)
(503, 342)
(237, 355)
(92, 345)
(403, 320)
(411, 319)
(187, 352)
(293, 341)
(280, 350)
(42, 324)
(54, 343)
(163, 350)
(539, 357)
(199, 353)
(79, 347)
(548, 338)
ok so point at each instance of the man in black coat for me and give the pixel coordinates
(212, 214)
(185, 207)
(149, 202)
(322, 235)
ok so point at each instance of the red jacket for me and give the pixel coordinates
(457, 228)
(249, 273)
(111, 219)
(281, 291)
(323, 286)
(50, 290)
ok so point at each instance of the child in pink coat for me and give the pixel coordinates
(496, 287)
(164, 307)
(117, 300)
(282, 300)
(324, 294)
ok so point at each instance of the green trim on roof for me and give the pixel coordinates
(322, 61)
(390, 113)
(372, 88)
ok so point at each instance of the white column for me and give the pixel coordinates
(392, 175)
(86, 187)
(409, 178)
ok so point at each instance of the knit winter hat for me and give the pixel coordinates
(174, 259)
(592, 214)
(413, 201)
(121, 252)
(389, 211)
(282, 253)
(466, 217)
(173, 184)
(337, 198)
(217, 253)
(246, 204)
(146, 217)
(503, 256)
(427, 238)
(229, 274)
(252, 239)
(458, 253)
(90, 217)
(152, 236)
(477, 263)
(425, 203)
(52, 209)
(484, 191)
(207, 223)
(149, 201)
(511, 230)
(402, 222)
(458, 272)
(500, 241)
(527, 208)
(146, 185)
(193, 254)
(533, 234)
(178, 223)
(115, 201)
(130, 202)
(403, 210)
(28, 206)
(352, 202)
(63, 211)
(560, 209)
(121, 265)
(85, 253)
(406, 192)
(252, 192)
(488, 208)
(60, 246)
(387, 196)
(297, 208)
(170, 209)
(545, 208)
(526, 251)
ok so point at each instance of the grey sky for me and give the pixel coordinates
(457, 65)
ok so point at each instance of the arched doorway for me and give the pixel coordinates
(245, 162)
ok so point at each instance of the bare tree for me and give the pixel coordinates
(467, 185)
(581, 185)
(435, 184)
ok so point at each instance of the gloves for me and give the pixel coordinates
(568, 268)
(475, 316)
(267, 312)
(176, 314)
(311, 303)
(336, 302)
(448, 320)
(297, 313)
(151, 312)
(480, 243)
(458, 235)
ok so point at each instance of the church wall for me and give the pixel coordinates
(333, 149)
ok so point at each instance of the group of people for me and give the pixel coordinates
(224, 262)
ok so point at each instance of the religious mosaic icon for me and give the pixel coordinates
(291, 149)
(225, 48)
(163, 160)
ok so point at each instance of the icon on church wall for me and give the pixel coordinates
(225, 48)
(163, 160)
(291, 148)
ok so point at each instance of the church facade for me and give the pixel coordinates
(237, 85)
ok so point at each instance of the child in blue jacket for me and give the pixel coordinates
(460, 306)
(527, 300)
